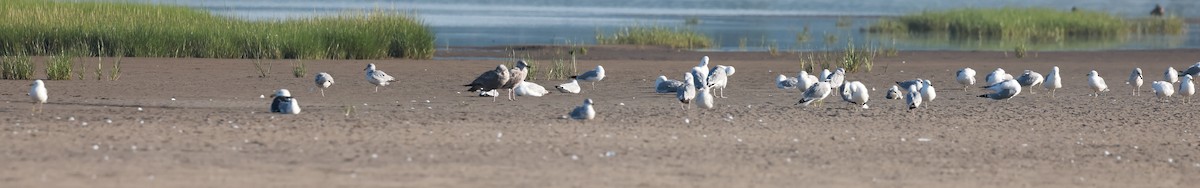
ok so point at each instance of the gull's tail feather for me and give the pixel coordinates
(573, 77)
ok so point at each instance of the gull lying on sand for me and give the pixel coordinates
(666, 85)
(1135, 80)
(894, 93)
(530, 89)
(377, 77)
(37, 92)
(856, 93)
(806, 80)
(966, 77)
(584, 112)
(704, 97)
(997, 76)
(283, 102)
(490, 80)
(1003, 90)
(323, 80)
(785, 83)
(569, 87)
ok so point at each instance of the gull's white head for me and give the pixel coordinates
(1094, 73)
(587, 102)
(704, 61)
(370, 67)
(661, 78)
(38, 83)
(780, 78)
(927, 82)
(282, 93)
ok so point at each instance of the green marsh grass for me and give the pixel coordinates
(59, 68)
(656, 36)
(42, 27)
(114, 73)
(16, 67)
(299, 69)
(1024, 24)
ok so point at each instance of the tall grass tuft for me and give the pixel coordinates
(59, 68)
(44, 27)
(299, 69)
(1023, 24)
(657, 36)
(16, 68)
(114, 73)
(263, 68)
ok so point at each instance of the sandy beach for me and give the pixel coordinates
(201, 123)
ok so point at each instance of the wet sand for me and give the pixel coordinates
(427, 131)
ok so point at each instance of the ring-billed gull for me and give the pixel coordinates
(856, 93)
(1171, 75)
(927, 91)
(914, 97)
(1003, 90)
(1135, 80)
(966, 77)
(323, 80)
(1162, 89)
(516, 76)
(490, 80)
(530, 89)
(37, 92)
(785, 83)
(569, 87)
(282, 102)
(377, 77)
(815, 93)
(666, 85)
(593, 76)
(1194, 70)
(718, 78)
(824, 75)
(687, 93)
(917, 82)
(700, 73)
(584, 112)
(704, 97)
(894, 93)
(1096, 83)
(1030, 79)
(806, 80)
(997, 76)
(1187, 88)
(1053, 81)
(837, 79)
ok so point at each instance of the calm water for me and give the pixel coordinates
(736, 25)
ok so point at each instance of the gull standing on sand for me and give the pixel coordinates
(687, 93)
(569, 87)
(997, 76)
(718, 78)
(1187, 88)
(490, 80)
(667, 85)
(283, 103)
(584, 112)
(1053, 81)
(817, 92)
(806, 80)
(377, 77)
(1162, 89)
(700, 73)
(966, 77)
(1030, 79)
(1171, 75)
(593, 76)
(1096, 83)
(927, 91)
(1135, 80)
(894, 93)
(37, 92)
(1003, 90)
(785, 83)
(530, 89)
(517, 76)
(856, 93)
(914, 97)
(324, 80)
(1194, 70)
